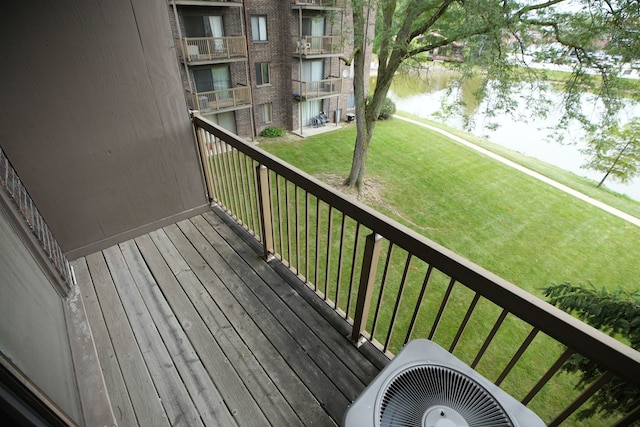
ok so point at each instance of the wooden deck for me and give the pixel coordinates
(193, 328)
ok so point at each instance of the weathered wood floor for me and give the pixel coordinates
(193, 328)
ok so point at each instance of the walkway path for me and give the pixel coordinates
(536, 175)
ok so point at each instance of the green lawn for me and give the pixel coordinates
(513, 225)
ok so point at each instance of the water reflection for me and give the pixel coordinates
(423, 95)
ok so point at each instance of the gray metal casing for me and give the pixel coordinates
(362, 412)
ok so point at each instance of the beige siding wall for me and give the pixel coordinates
(94, 119)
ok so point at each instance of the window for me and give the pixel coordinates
(264, 113)
(259, 28)
(351, 101)
(262, 73)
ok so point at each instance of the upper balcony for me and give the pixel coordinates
(318, 4)
(219, 3)
(220, 100)
(211, 50)
(309, 47)
(317, 89)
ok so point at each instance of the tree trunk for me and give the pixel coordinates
(367, 113)
(615, 163)
(360, 151)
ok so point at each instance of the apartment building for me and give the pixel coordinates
(250, 64)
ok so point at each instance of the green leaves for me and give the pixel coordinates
(616, 312)
(616, 152)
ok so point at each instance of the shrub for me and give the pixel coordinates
(388, 108)
(272, 132)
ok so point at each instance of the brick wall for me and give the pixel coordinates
(277, 51)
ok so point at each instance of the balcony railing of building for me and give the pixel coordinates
(11, 184)
(223, 99)
(319, 3)
(208, 2)
(317, 89)
(317, 45)
(207, 49)
(394, 285)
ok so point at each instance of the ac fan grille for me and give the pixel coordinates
(411, 393)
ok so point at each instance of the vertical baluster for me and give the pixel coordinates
(396, 307)
(463, 324)
(297, 227)
(228, 156)
(492, 334)
(416, 310)
(327, 270)
(629, 418)
(547, 376)
(353, 270)
(218, 164)
(288, 222)
(254, 196)
(317, 257)
(443, 305)
(367, 282)
(383, 282)
(264, 199)
(517, 356)
(278, 220)
(584, 396)
(238, 188)
(340, 259)
(306, 237)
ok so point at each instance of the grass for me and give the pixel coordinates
(511, 224)
(578, 183)
(515, 226)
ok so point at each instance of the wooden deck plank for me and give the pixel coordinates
(236, 322)
(142, 391)
(175, 398)
(332, 364)
(193, 319)
(120, 402)
(193, 374)
(271, 320)
(202, 329)
(331, 337)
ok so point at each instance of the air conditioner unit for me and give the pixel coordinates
(426, 386)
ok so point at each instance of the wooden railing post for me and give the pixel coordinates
(204, 148)
(367, 280)
(264, 203)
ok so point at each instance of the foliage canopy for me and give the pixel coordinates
(616, 152)
(614, 312)
(495, 37)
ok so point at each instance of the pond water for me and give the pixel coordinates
(535, 137)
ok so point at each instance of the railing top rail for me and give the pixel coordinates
(214, 38)
(573, 333)
(331, 80)
(230, 89)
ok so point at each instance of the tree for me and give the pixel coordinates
(496, 35)
(616, 152)
(615, 312)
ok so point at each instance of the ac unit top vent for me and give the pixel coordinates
(437, 396)
(426, 386)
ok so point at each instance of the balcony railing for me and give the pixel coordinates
(317, 45)
(198, 49)
(11, 184)
(394, 285)
(317, 89)
(319, 3)
(209, 2)
(223, 99)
